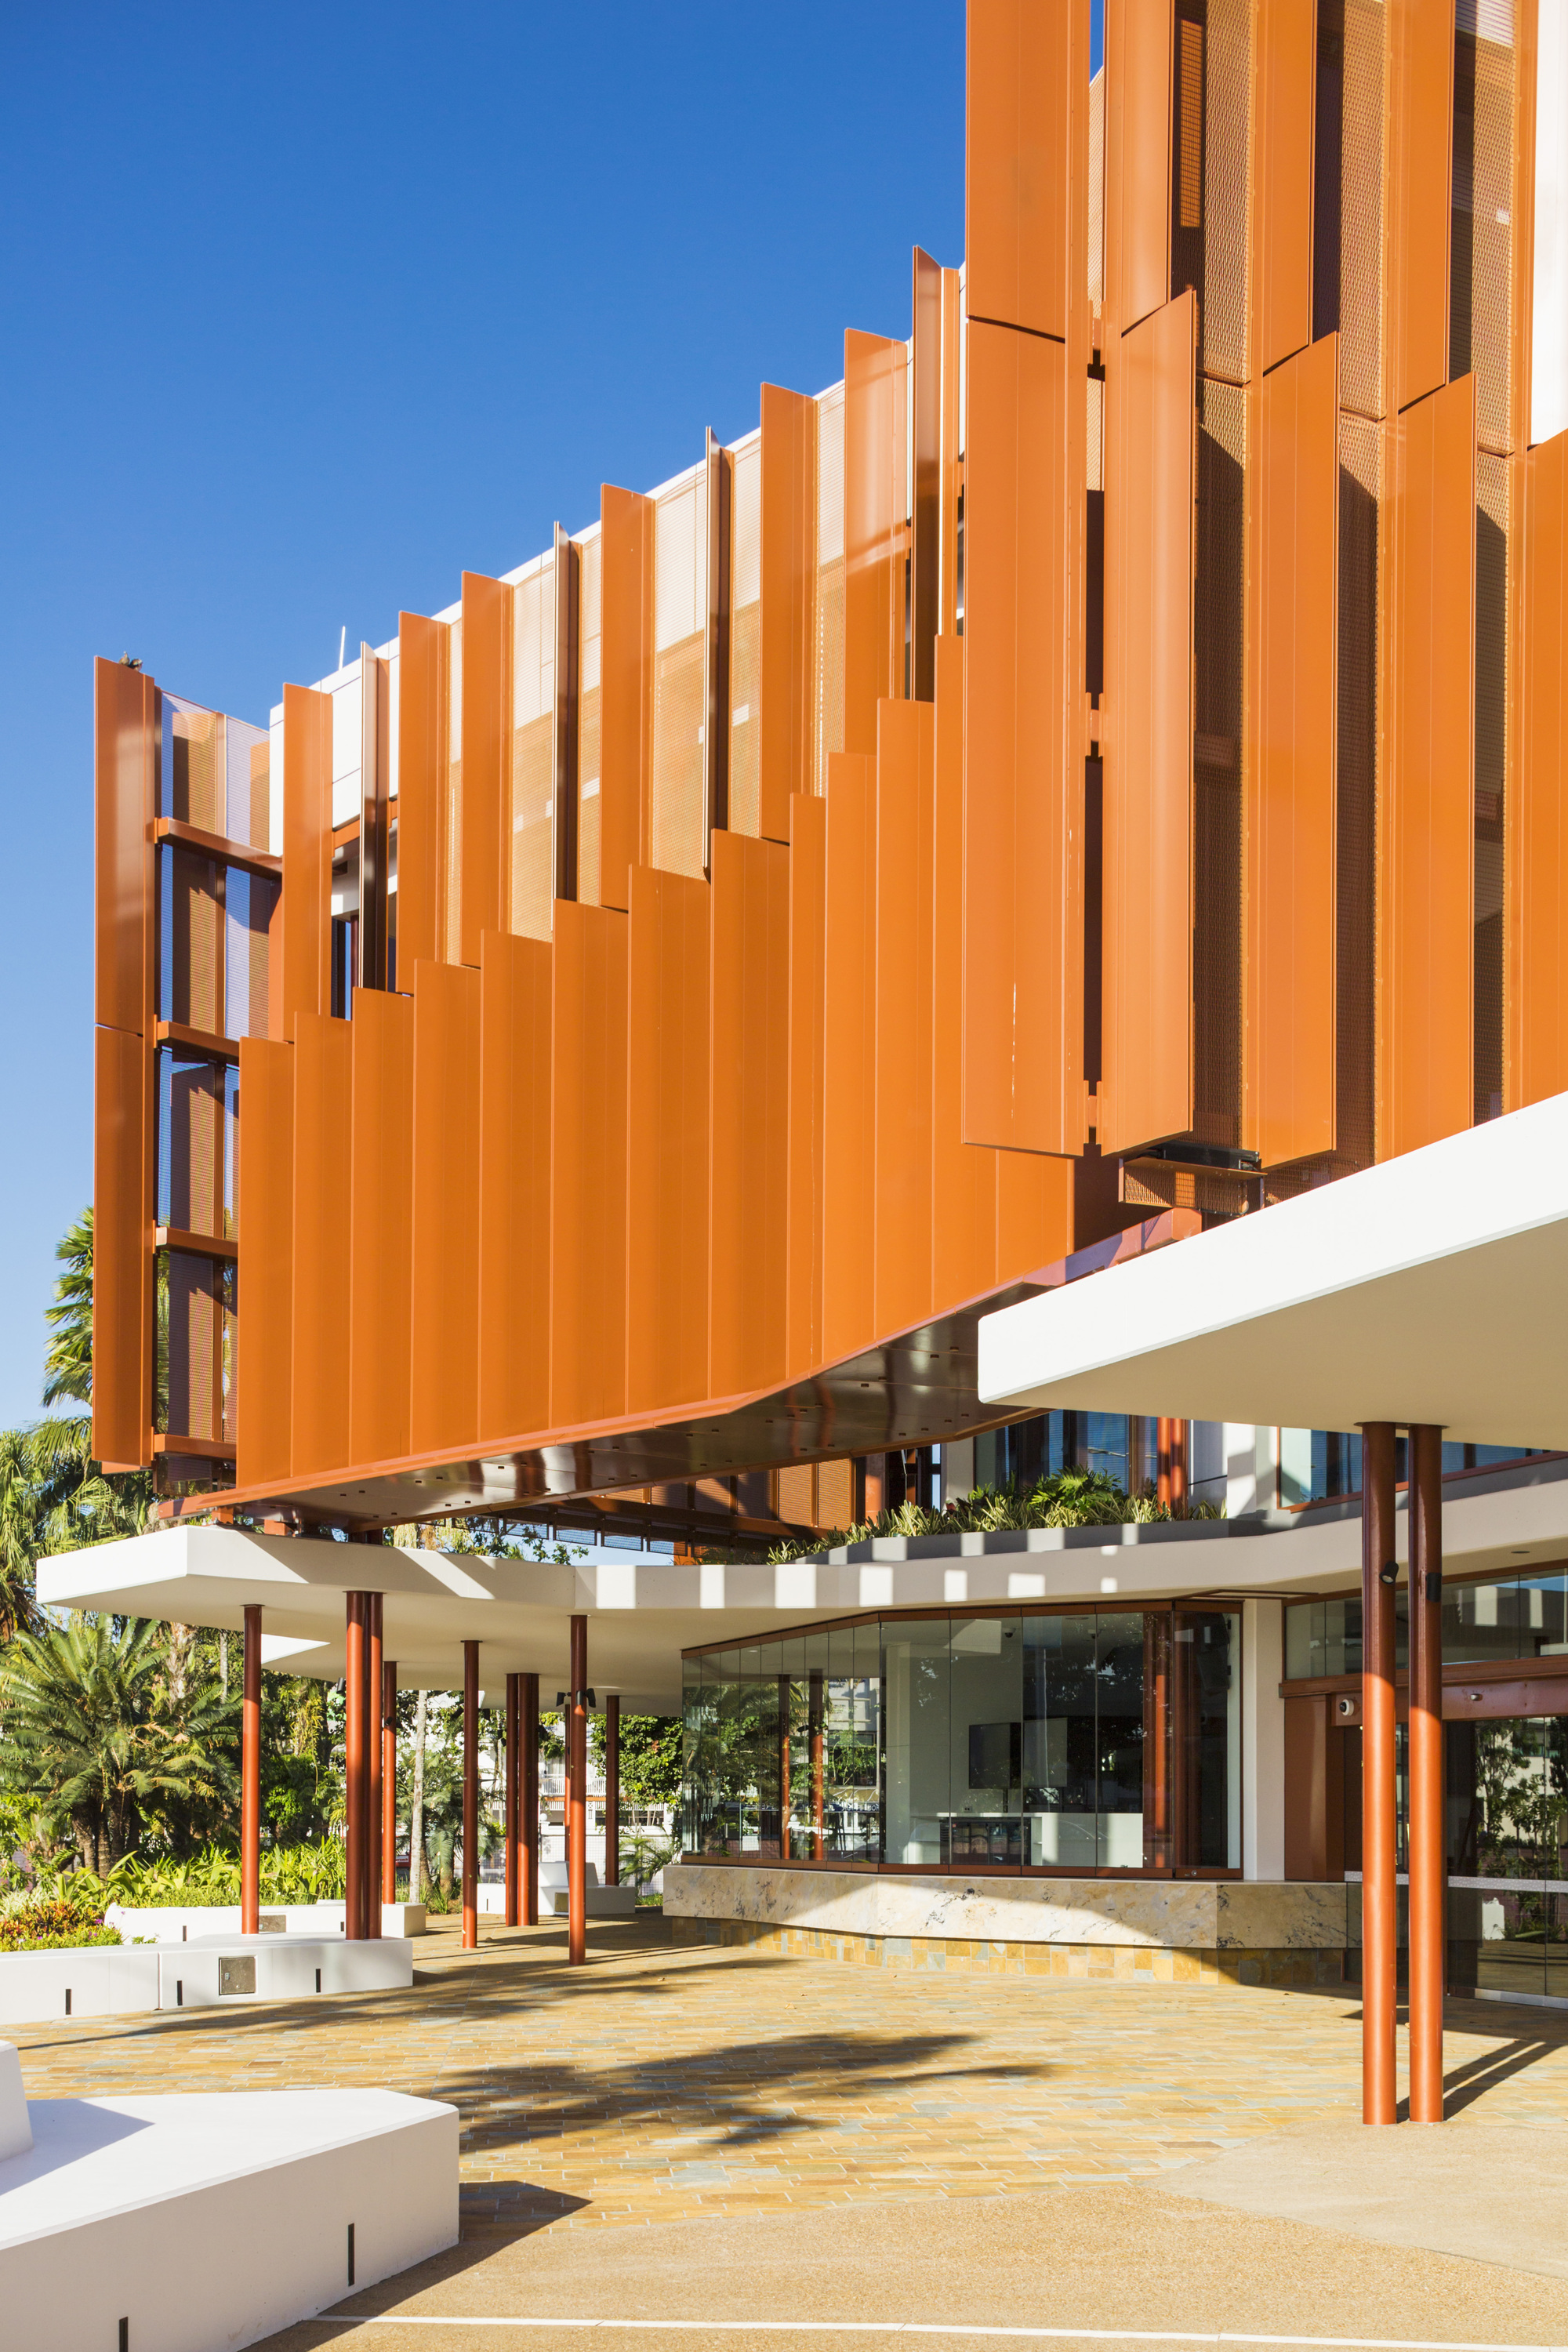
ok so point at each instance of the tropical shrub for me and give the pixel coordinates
(1065, 1498)
(46, 1925)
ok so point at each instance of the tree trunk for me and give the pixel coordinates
(417, 1808)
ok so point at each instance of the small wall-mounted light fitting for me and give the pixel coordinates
(1389, 1573)
(1433, 1584)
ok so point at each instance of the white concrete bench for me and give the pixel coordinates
(119, 1981)
(198, 2220)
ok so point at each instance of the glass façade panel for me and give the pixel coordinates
(986, 1733)
(915, 1739)
(1060, 1742)
(1119, 1738)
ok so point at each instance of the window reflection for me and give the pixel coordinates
(1080, 1741)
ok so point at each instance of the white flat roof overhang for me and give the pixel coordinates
(1432, 1288)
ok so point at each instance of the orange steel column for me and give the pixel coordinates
(353, 1769)
(815, 1730)
(512, 1797)
(470, 1796)
(1428, 1871)
(612, 1790)
(250, 1780)
(528, 1843)
(576, 1797)
(389, 1781)
(372, 1766)
(1171, 1482)
(1380, 1924)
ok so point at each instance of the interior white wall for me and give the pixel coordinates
(1262, 1740)
(1252, 1467)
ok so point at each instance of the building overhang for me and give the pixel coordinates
(1432, 1288)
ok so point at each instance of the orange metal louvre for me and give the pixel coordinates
(122, 1267)
(267, 1223)
(1284, 63)
(788, 564)
(423, 736)
(1418, 82)
(1025, 64)
(850, 1059)
(588, 1168)
(1146, 1091)
(875, 540)
(1536, 962)
(514, 1185)
(1138, 115)
(1426, 804)
(322, 1225)
(306, 905)
(1288, 765)
(807, 1044)
(444, 1389)
(381, 1191)
(902, 1226)
(626, 715)
(749, 1117)
(667, 1080)
(486, 737)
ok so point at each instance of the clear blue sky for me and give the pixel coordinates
(307, 310)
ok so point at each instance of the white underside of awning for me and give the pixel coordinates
(1431, 1288)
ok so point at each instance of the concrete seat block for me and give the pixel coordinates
(16, 2131)
(599, 1902)
(200, 2221)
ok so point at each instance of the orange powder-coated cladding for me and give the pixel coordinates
(874, 533)
(1025, 61)
(423, 750)
(749, 1123)
(1138, 65)
(808, 1041)
(1284, 62)
(486, 691)
(849, 1059)
(121, 1285)
(964, 1175)
(904, 943)
(788, 587)
(588, 1174)
(1146, 1091)
(625, 718)
(323, 1221)
(1418, 142)
(668, 1096)
(380, 1259)
(514, 1184)
(1427, 805)
(1288, 769)
(306, 904)
(444, 1388)
(267, 1223)
(1536, 811)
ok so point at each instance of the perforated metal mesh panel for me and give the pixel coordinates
(193, 1395)
(249, 900)
(1348, 255)
(1493, 554)
(828, 694)
(745, 637)
(1227, 134)
(190, 937)
(1481, 302)
(1097, 189)
(1096, 450)
(1356, 751)
(590, 607)
(1190, 127)
(188, 786)
(452, 912)
(680, 676)
(1218, 624)
(532, 752)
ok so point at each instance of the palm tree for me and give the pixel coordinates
(85, 1731)
(67, 1359)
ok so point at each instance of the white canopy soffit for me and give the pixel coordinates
(1430, 1288)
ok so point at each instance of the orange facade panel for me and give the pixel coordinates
(1535, 899)
(444, 1387)
(1284, 78)
(1426, 848)
(514, 1186)
(121, 1254)
(1289, 835)
(807, 1041)
(1034, 1213)
(875, 504)
(588, 1171)
(323, 1229)
(787, 605)
(625, 668)
(1024, 746)
(904, 1013)
(423, 739)
(1025, 64)
(266, 1221)
(1418, 149)
(1138, 115)
(485, 690)
(381, 1190)
(124, 713)
(748, 1118)
(850, 1059)
(1147, 899)
(668, 1088)
(306, 907)
(964, 1175)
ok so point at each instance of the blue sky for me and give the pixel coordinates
(307, 310)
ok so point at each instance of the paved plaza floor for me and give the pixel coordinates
(777, 2150)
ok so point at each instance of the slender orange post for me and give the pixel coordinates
(577, 1797)
(527, 1843)
(784, 1767)
(388, 1781)
(1379, 1908)
(353, 1769)
(512, 1682)
(612, 1790)
(372, 1766)
(470, 1796)
(1429, 1861)
(251, 1779)
(815, 1706)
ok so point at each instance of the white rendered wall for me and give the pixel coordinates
(1262, 1740)
(1549, 321)
(1251, 1468)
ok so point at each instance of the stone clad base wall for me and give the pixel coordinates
(1144, 1930)
(1298, 1970)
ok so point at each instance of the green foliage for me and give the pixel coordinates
(1065, 1498)
(651, 1748)
(67, 1359)
(45, 1926)
(92, 1733)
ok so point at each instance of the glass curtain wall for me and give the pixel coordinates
(1095, 1740)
